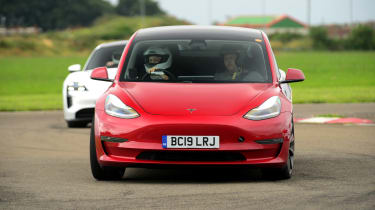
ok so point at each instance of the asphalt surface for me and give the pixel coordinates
(45, 165)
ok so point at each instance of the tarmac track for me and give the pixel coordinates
(43, 164)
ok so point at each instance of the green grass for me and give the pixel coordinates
(332, 77)
(33, 79)
(35, 83)
(31, 102)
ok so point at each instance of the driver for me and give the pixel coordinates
(158, 60)
(115, 59)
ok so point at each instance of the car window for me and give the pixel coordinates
(209, 61)
(105, 56)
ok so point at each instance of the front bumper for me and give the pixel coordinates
(143, 145)
(79, 106)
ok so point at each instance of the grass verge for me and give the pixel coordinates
(33, 83)
(31, 102)
(332, 77)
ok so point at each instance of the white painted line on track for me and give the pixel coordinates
(317, 120)
(336, 120)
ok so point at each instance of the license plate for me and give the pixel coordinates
(200, 142)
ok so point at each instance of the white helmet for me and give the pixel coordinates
(164, 61)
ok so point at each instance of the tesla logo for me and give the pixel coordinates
(191, 110)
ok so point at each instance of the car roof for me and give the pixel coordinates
(112, 44)
(198, 32)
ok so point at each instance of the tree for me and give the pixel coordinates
(361, 38)
(133, 8)
(320, 38)
(52, 14)
(128, 7)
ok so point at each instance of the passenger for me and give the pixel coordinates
(233, 70)
(234, 67)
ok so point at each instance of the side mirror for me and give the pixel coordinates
(74, 68)
(293, 75)
(100, 73)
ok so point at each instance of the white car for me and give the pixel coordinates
(80, 91)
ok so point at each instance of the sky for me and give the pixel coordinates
(206, 12)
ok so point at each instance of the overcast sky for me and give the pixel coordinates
(205, 12)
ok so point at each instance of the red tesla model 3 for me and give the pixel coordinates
(193, 95)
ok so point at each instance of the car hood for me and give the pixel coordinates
(94, 86)
(193, 99)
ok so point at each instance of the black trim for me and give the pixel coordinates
(290, 81)
(209, 156)
(69, 101)
(270, 141)
(106, 80)
(113, 139)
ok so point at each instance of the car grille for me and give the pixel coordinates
(191, 156)
(85, 113)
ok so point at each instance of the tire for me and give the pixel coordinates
(76, 124)
(98, 172)
(286, 171)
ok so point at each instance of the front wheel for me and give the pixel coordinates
(280, 173)
(98, 172)
(76, 124)
(285, 172)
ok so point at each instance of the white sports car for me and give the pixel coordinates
(80, 91)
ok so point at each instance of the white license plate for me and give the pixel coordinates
(201, 142)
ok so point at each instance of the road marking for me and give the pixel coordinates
(334, 120)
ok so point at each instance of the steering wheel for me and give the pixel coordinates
(168, 73)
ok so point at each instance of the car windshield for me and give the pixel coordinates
(209, 61)
(105, 56)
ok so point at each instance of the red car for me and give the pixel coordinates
(193, 95)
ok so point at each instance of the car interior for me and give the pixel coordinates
(106, 56)
(200, 60)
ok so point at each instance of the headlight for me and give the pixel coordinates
(115, 107)
(75, 86)
(270, 108)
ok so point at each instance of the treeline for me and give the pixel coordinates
(361, 37)
(81, 40)
(61, 14)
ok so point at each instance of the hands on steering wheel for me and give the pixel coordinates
(166, 76)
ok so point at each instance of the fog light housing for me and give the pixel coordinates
(270, 141)
(112, 139)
